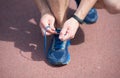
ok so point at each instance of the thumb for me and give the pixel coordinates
(63, 32)
(51, 23)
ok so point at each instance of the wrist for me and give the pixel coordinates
(75, 22)
(79, 20)
(43, 12)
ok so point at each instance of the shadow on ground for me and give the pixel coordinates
(19, 24)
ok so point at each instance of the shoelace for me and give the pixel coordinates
(58, 42)
(45, 43)
(45, 40)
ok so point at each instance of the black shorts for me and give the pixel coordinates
(78, 2)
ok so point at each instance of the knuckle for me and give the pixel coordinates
(47, 33)
(61, 33)
(62, 39)
(41, 23)
(72, 36)
(48, 30)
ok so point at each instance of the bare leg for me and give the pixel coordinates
(112, 6)
(59, 8)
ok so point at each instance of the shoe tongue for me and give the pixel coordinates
(58, 30)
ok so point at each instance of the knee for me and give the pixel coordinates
(114, 9)
(112, 6)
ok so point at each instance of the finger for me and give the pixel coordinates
(72, 34)
(48, 34)
(63, 32)
(66, 37)
(69, 35)
(49, 30)
(42, 29)
(45, 27)
(44, 32)
(52, 25)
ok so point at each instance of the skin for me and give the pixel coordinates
(71, 24)
(47, 17)
(56, 16)
(112, 6)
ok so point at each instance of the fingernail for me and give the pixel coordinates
(60, 37)
(53, 29)
(55, 32)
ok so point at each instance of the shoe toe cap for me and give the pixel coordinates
(59, 57)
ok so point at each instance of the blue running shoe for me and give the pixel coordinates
(58, 54)
(92, 15)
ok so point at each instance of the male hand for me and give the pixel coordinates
(45, 21)
(69, 29)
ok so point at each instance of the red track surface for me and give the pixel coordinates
(95, 52)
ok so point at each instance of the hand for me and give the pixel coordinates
(69, 29)
(47, 20)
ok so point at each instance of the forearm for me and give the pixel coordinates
(42, 6)
(84, 8)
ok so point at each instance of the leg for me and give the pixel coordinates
(59, 8)
(112, 6)
(58, 52)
